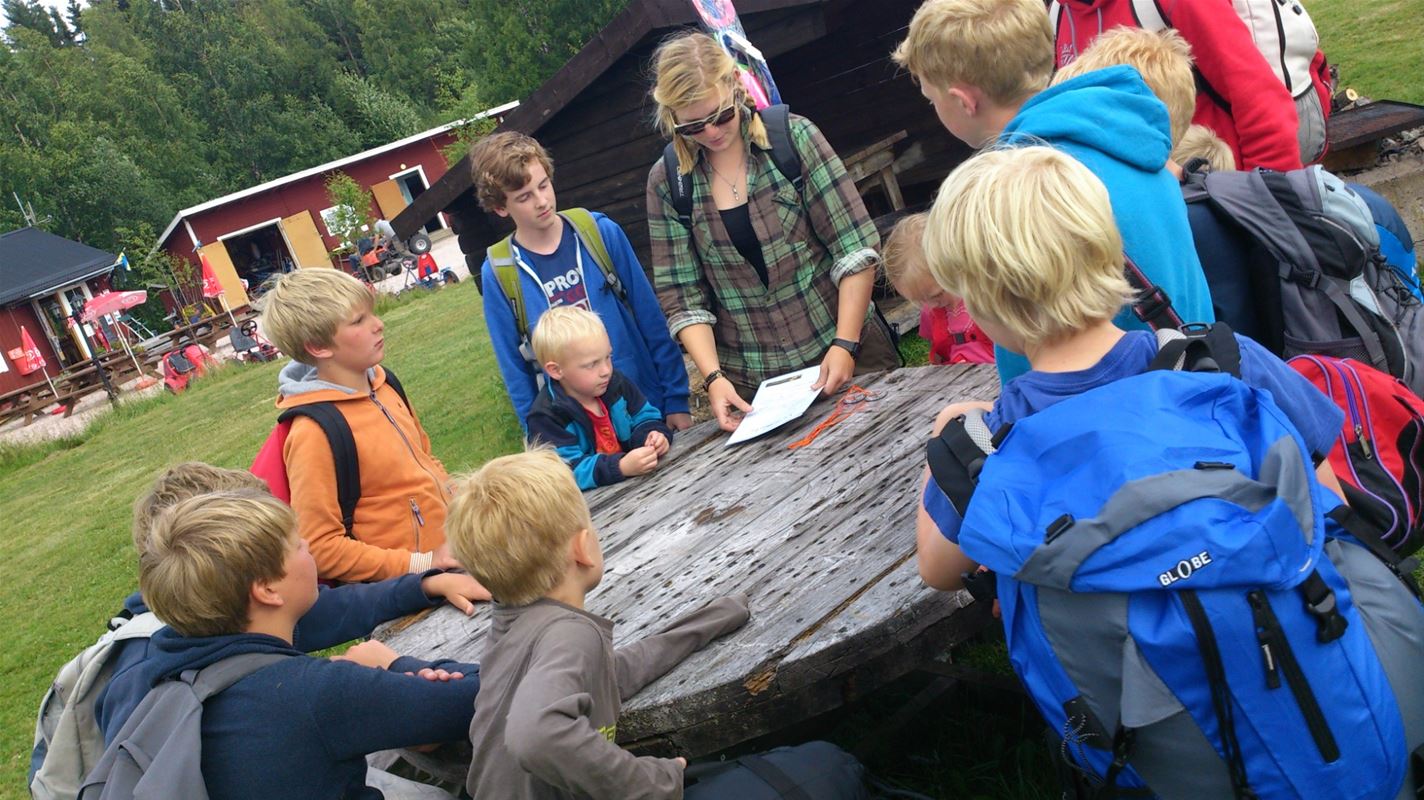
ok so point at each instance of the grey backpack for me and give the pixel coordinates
(1328, 291)
(68, 741)
(158, 752)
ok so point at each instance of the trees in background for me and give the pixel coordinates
(115, 115)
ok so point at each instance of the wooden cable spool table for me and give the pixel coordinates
(821, 538)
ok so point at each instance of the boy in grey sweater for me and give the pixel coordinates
(552, 684)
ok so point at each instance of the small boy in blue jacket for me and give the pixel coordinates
(229, 574)
(595, 418)
(554, 260)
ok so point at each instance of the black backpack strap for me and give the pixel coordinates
(679, 187)
(1153, 306)
(1220, 693)
(777, 120)
(1199, 348)
(1369, 536)
(781, 783)
(343, 452)
(956, 457)
(396, 384)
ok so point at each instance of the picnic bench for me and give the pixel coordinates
(69, 386)
(822, 539)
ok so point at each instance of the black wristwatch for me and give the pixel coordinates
(847, 345)
(712, 378)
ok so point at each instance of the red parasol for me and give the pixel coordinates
(211, 286)
(32, 359)
(111, 303)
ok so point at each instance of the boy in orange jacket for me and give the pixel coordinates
(325, 320)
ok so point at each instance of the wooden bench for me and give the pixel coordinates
(821, 537)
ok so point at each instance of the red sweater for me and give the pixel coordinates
(1246, 104)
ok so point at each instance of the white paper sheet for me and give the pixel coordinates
(778, 401)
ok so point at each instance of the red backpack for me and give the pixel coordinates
(1379, 457)
(954, 337)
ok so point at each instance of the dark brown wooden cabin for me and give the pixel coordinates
(831, 61)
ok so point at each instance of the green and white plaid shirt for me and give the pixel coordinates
(763, 331)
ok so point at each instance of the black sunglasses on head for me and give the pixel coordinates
(719, 118)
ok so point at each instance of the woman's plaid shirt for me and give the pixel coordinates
(809, 242)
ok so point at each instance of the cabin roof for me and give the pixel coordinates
(35, 262)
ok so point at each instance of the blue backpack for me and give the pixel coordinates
(1176, 601)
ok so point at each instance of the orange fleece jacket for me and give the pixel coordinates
(404, 489)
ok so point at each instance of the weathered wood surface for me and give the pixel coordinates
(821, 538)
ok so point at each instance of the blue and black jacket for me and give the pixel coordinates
(558, 420)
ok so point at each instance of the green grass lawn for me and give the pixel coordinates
(1378, 45)
(66, 560)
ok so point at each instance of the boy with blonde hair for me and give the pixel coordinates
(952, 334)
(1162, 58)
(592, 414)
(229, 574)
(339, 615)
(1199, 142)
(980, 63)
(575, 258)
(1027, 237)
(326, 321)
(547, 719)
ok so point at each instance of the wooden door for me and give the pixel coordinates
(308, 248)
(233, 292)
(389, 198)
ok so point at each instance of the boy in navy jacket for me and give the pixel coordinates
(595, 418)
(340, 614)
(229, 574)
(554, 260)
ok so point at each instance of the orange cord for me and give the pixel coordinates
(855, 399)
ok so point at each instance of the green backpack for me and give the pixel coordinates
(506, 272)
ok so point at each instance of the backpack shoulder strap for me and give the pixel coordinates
(777, 120)
(1153, 306)
(679, 187)
(956, 456)
(396, 384)
(586, 228)
(1150, 15)
(1198, 348)
(506, 273)
(343, 453)
(216, 677)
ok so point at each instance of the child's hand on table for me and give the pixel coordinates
(458, 588)
(638, 461)
(658, 442)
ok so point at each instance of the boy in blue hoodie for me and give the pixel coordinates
(229, 574)
(339, 614)
(983, 65)
(554, 259)
(593, 416)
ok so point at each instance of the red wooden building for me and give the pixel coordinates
(43, 279)
(250, 234)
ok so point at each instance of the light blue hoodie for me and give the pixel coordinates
(1112, 124)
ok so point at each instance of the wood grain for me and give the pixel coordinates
(821, 538)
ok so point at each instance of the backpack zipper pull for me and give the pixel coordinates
(1265, 625)
(1364, 443)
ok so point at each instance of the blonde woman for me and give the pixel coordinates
(764, 278)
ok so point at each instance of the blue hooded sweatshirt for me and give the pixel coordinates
(339, 615)
(301, 728)
(1112, 124)
(642, 347)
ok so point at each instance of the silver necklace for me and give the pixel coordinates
(736, 192)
